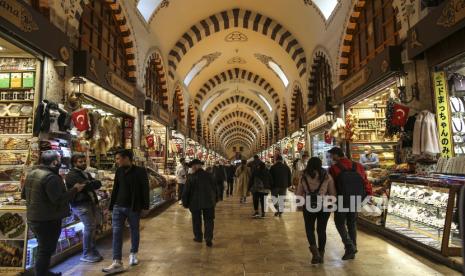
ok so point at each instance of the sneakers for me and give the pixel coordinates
(180, 202)
(91, 259)
(255, 215)
(209, 243)
(51, 273)
(133, 259)
(349, 253)
(115, 267)
(197, 240)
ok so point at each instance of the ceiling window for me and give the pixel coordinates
(271, 64)
(326, 7)
(210, 100)
(259, 117)
(264, 100)
(200, 65)
(147, 7)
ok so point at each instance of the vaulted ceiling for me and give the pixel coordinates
(238, 61)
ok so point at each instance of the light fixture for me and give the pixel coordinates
(2, 48)
(78, 85)
(88, 106)
(403, 97)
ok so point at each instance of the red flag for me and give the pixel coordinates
(400, 115)
(150, 141)
(81, 119)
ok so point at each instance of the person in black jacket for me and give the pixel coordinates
(200, 197)
(281, 175)
(47, 204)
(259, 185)
(219, 175)
(129, 198)
(230, 170)
(85, 205)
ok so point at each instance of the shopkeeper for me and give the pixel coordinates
(369, 160)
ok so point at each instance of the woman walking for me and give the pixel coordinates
(260, 185)
(242, 180)
(315, 184)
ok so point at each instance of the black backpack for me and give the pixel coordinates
(314, 195)
(349, 183)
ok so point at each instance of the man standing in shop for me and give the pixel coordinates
(181, 176)
(351, 181)
(219, 174)
(369, 160)
(129, 198)
(84, 205)
(200, 197)
(47, 202)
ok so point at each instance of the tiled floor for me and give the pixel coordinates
(246, 246)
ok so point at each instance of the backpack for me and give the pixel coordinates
(313, 195)
(349, 183)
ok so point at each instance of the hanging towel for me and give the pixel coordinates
(425, 134)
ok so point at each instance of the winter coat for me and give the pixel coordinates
(219, 174)
(140, 188)
(200, 191)
(42, 120)
(242, 180)
(425, 134)
(282, 178)
(264, 176)
(87, 195)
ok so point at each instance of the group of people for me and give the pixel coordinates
(48, 201)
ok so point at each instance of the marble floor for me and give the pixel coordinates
(246, 246)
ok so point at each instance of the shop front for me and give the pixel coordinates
(318, 130)
(27, 60)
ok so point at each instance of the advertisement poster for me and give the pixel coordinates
(13, 239)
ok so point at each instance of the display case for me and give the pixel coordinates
(384, 150)
(422, 210)
(320, 147)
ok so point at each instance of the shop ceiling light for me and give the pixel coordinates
(275, 67)
(2, 48)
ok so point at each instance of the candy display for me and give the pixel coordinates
(11, 253)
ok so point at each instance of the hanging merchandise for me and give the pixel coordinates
(50, 117)
(392, 123)
(338, 129)
(351, 128)
(425, 134)
(81, 119)
(399, 116)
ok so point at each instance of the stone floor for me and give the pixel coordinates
(246, 246)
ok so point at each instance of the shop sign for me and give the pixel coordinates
(440, 23)
(442, 113)
(164, 116)
(18, 15)
(355, 81)
(119, 84)
(312, 112)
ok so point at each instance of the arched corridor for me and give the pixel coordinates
(253, 247)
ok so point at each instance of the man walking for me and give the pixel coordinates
(219, 175)
(351, 181)
(282, 177)
(181, 176)
(47, 204)
(130, 197)
(230, 170)
(200, 197)
(84, 205)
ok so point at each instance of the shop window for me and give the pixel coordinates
(100, 36)
(376, 29)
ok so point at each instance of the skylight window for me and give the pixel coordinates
(326, 7)
(209, 101)
(266, 102)
(194, 71)
(259, 117)
(275, 67)
(147, 7)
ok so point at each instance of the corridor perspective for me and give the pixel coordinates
(253, 247)
(135, 122)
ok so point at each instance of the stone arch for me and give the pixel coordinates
(284, 121)
(297, 109)
(178, 104)
(191, 117)
(232, 74)
(233, 116)
(233, 19)
(238, 99)
(154, 62)
(320, 83)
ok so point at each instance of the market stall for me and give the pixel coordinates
(320, 138)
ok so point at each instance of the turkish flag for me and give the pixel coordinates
(150, 141)
(81, 119)
(400, 115)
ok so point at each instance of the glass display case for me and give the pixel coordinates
(320, 147)
(423, 211)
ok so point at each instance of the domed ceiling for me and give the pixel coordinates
(238, 61)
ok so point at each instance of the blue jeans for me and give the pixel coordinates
(120, 214)
(88, 216)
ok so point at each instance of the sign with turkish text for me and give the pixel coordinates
(355, 81)
(15, 12)
(442, 113)
(121, 85)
